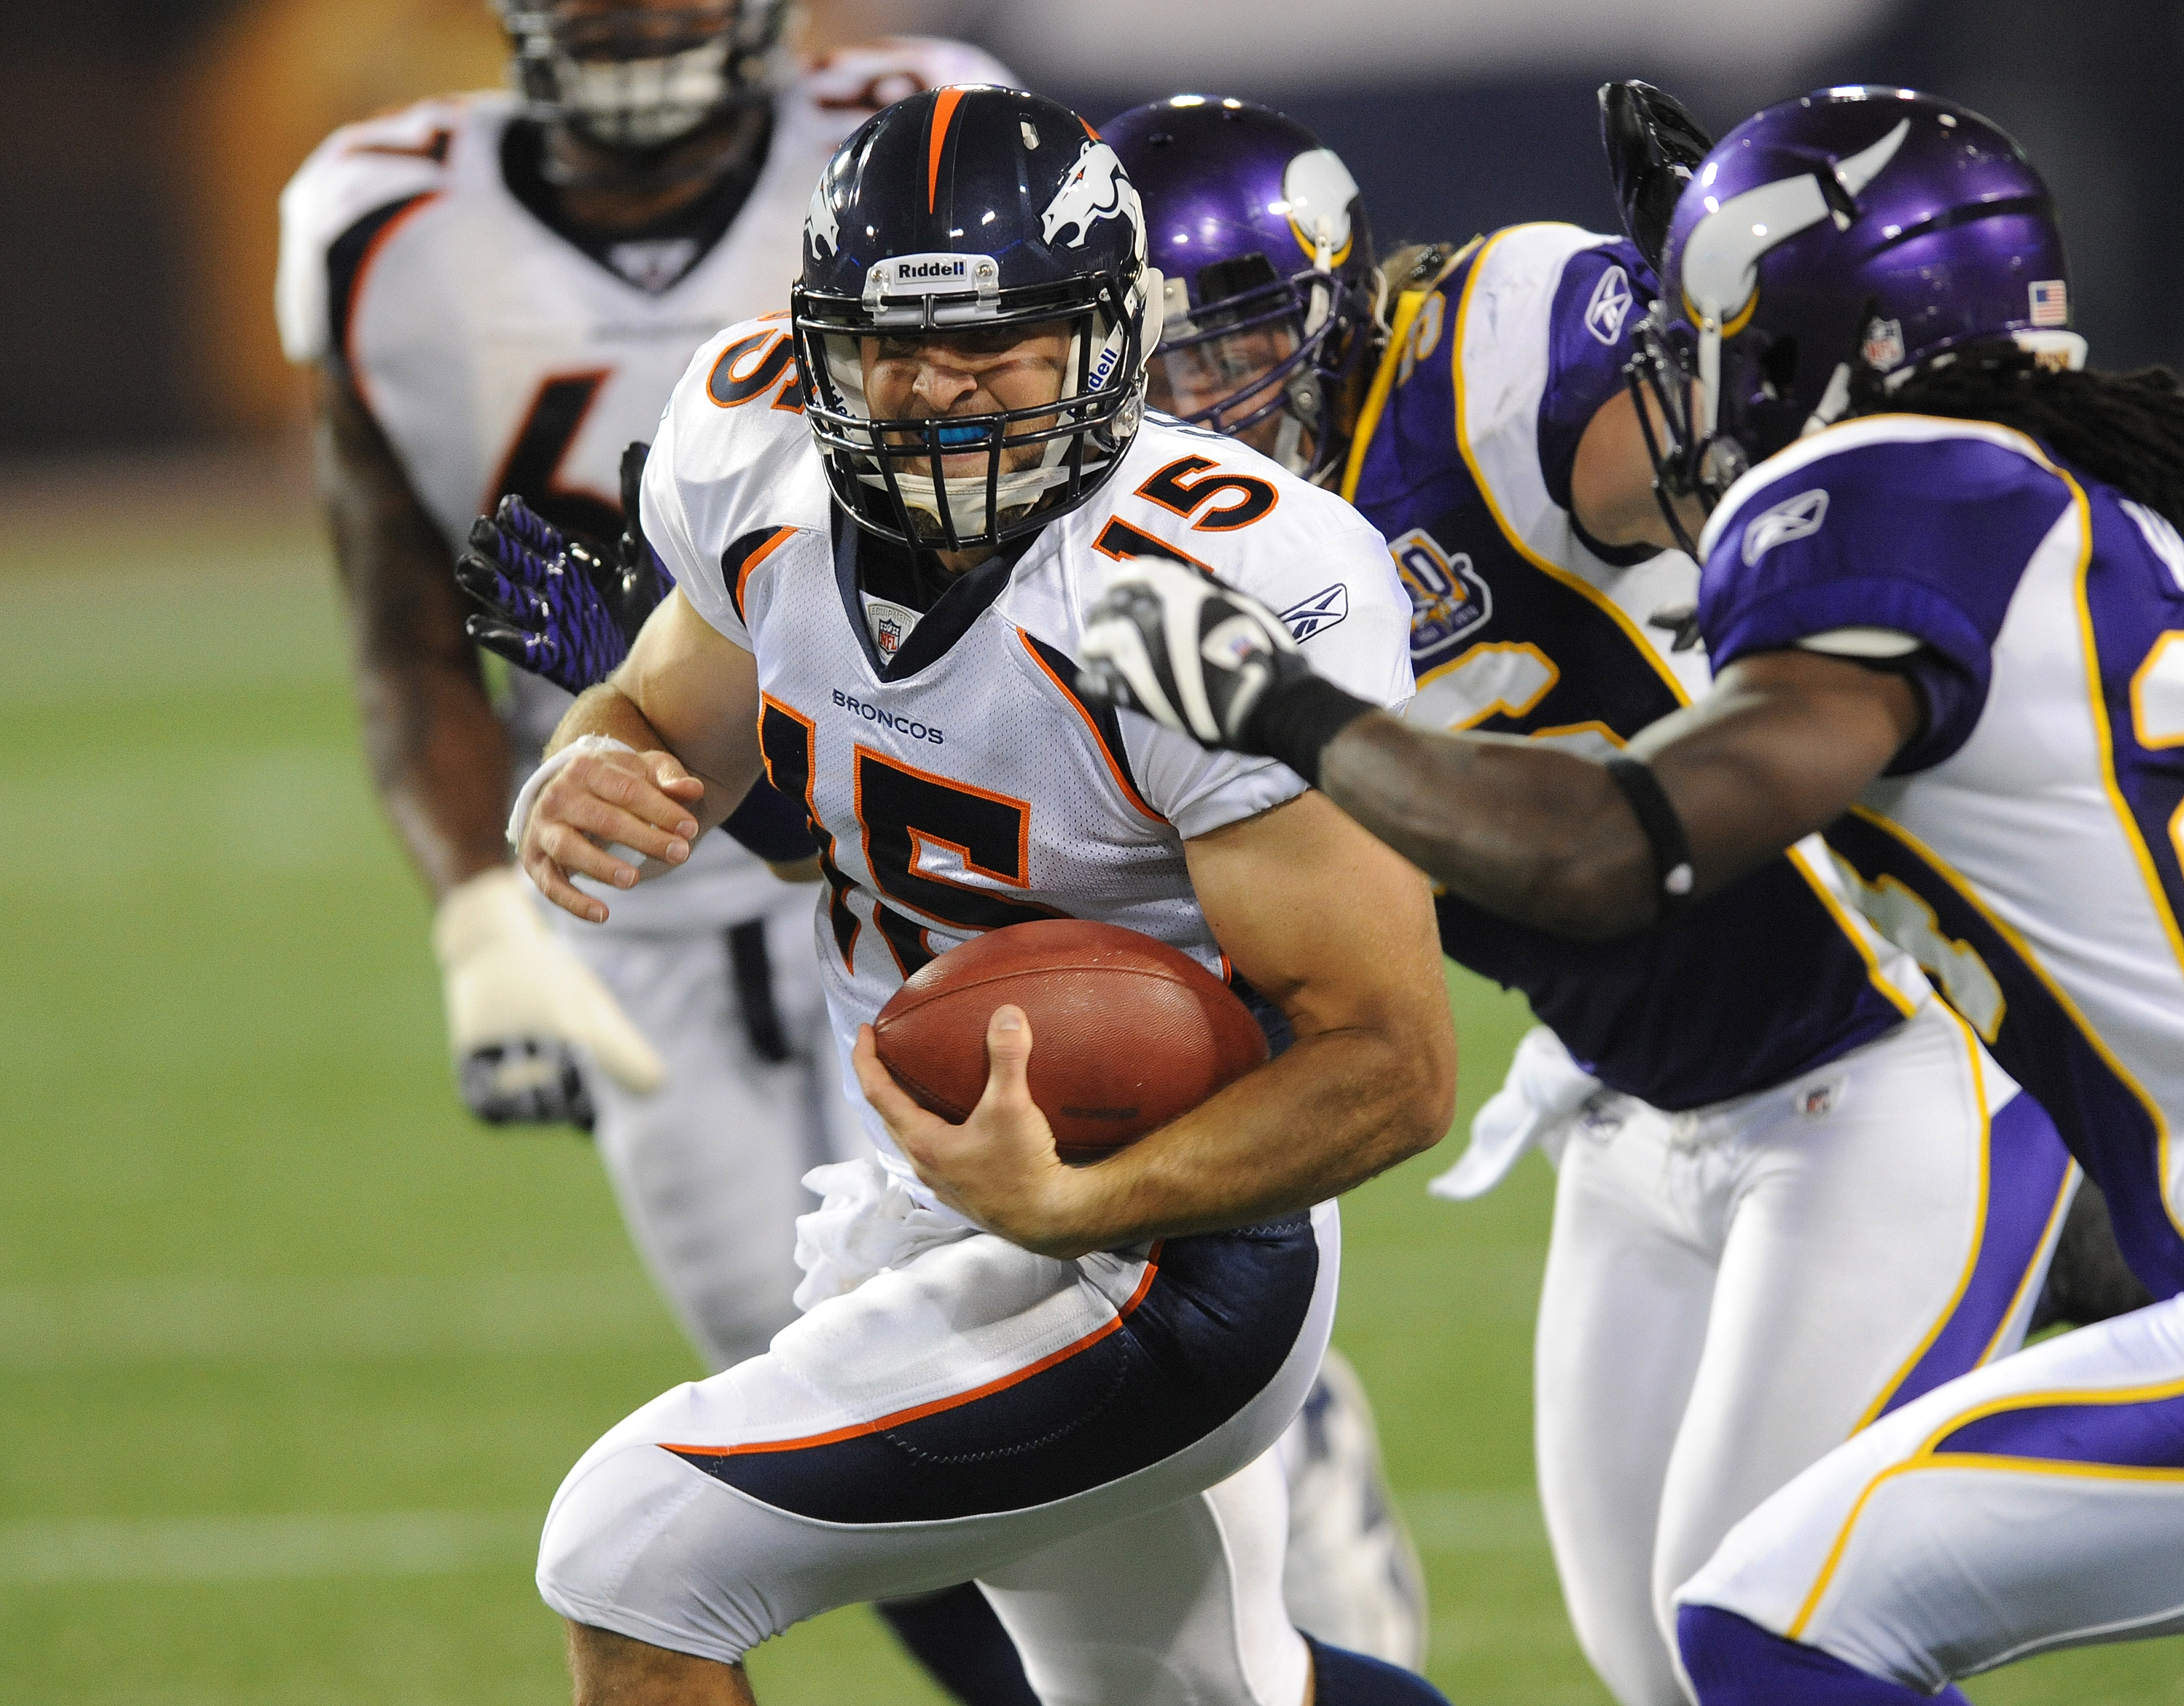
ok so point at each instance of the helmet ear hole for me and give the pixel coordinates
(1778, 368)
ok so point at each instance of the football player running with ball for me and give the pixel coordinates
(497, 293)
(1794, 1191)
(1944, 590)
(1062, 1382)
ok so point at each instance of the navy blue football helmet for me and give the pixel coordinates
(968, 211)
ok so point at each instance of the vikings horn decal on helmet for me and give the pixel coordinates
(1825, 250)
(963, 214)
(1272, 296)
(633, 76)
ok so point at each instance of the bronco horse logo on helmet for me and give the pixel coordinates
(1096, 189)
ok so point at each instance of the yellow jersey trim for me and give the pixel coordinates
(1391, 358)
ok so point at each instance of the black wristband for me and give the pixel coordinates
(1674, 878)
(1298, 716)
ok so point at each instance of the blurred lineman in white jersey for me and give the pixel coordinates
(498, 290)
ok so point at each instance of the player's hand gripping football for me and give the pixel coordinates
(521, 1009)
(549, 603)
(999, 1167)
(1192, 654)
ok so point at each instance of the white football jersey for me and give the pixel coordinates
(957, 781)
(497, 355)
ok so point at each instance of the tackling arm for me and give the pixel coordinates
(1333, 928)
(438, 755)
(1782, 745)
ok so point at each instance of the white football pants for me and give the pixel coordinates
(1731, 1292)
(1087, 1440)
(707, 1169)
(2034, 1504)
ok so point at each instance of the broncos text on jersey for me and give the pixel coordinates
(955, 780)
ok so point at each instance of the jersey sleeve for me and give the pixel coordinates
(860, 80)
(1330, 576)
(664, 509)
(1597, 306)
(1921, 530)
(361, 171)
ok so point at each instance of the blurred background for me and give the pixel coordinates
(292, 1354)
(142, 142)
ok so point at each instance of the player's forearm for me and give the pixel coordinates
(439, 758)
(438, 753)
(1535, 834)
(606, 710)
(1335, 1110)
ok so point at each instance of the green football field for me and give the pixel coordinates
(292, 1355)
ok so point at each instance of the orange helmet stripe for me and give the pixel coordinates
(944, 115)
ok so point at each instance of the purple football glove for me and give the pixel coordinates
(550, 603)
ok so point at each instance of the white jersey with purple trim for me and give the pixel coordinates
(956, 781)
(497, 355)
(2026, 844)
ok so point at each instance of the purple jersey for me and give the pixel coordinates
(2025, 846)
(1522, 625)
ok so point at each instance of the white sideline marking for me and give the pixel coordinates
(266, 1548)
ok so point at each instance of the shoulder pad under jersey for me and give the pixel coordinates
(1507, 339)
(1913, 523)
(733, 457)
(840, 91)
(378, 163)
(1254, 525)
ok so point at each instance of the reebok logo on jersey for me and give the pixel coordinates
(888, 720)
(1610, 306)
(1319, 613)
(1793, 518)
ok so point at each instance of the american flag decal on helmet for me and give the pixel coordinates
(2051, 302)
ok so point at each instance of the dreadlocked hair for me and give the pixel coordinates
(2125, 430)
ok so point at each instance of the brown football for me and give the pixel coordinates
(1127, 1032)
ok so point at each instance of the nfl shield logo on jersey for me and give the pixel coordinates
(1448, 597)
(886, 636)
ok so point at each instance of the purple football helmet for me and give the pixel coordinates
(1272, 292)
(1830, 247)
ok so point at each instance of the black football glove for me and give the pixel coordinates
(551, 605)
(1209, 662)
